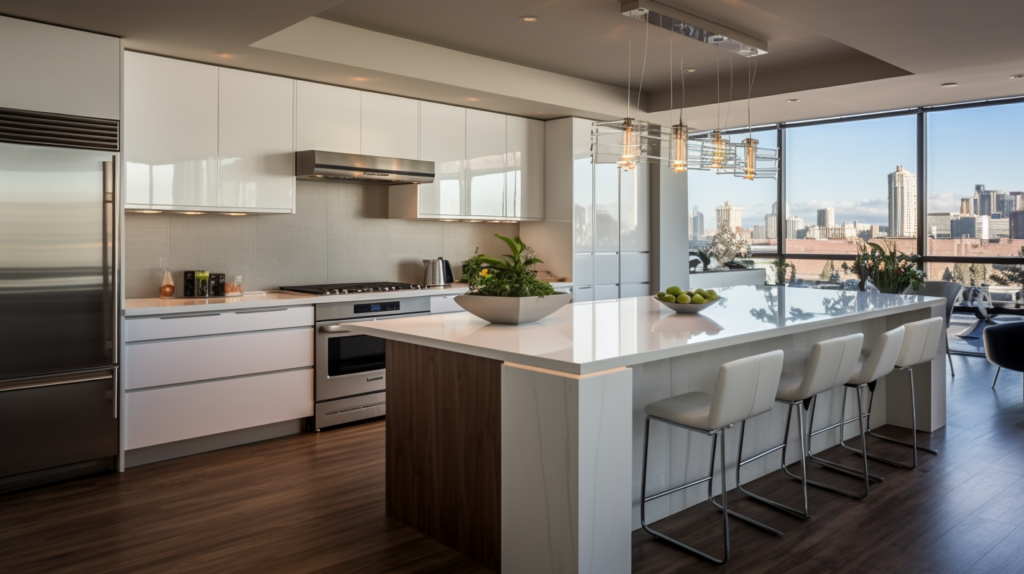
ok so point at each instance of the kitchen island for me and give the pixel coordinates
(520, 446)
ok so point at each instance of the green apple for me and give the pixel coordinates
(660, 295)
(697, 299)
(674, 291)
(712, 293)
(669, 299)
(700, 292)
(684, 298)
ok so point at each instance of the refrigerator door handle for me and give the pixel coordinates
(110, 254)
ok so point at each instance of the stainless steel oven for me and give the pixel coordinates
(351, 381)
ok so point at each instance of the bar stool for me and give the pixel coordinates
(829, 364)
(920, 345)
(881, 361)
(1002, 343)
(745, 389)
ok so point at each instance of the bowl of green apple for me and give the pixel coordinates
(688, 302)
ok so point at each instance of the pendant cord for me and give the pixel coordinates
(750, 91)
(629, 67)
(682, 81)
(647, 33)
(718, 90)
(728, 107)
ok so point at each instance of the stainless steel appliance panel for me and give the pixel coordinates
(48, 424)
(57, 260)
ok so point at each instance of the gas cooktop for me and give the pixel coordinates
(348, 288)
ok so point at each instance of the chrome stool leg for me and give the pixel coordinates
(996, 378)
(739, 484)
(644, 499)
(805, 514)
(913, 445)
(834, 466)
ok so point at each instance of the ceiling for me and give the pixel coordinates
(837, 57)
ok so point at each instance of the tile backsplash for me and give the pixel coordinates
(339, 233)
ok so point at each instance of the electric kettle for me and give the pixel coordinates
(436, 272)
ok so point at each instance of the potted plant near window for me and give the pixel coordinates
(507, 290)
(889, 270)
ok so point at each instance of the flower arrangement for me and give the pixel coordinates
(512, 276)
(726, 245)
(891, 271)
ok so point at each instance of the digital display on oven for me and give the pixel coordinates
(377, 307)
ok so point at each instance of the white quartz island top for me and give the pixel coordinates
(585, 338)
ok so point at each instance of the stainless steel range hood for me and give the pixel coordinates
(354, 168)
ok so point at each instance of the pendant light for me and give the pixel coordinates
(680, 132)
(717, 152)
(629, 143)
(756, 162)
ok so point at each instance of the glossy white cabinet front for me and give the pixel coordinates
(257, 161)
(390, 126)
(485, 155)
(58, 70)
(327, 118)
(524, 175)
(443, 141)
(582, 187)
(170, 131)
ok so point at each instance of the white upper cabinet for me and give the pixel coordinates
(606, 206)
(485, 155)
(170, 133)
(634, 210)
(257, 160)
(58, 70)
(327, 118)
(443, 141)
(390, 126)
(524, 175)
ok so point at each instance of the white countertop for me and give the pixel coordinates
(590, 337)
(158, 306)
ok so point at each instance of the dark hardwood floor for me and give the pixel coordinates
(315, 503)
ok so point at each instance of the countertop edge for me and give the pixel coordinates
(571, 368)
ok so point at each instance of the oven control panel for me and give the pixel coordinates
(377, 307)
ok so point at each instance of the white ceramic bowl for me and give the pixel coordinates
(513, 310)
(689, 308)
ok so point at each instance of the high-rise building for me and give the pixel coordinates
(966, 206)
(902, 203)
(759, 232)
(939, 224)
(771, 221)
(960, 227)
(826, 217)
(795, 227)
(696, 224)
(729, 217)
(998, 228)
(1017, 224)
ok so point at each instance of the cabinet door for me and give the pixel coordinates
(390, 126)
(582, 269)
(606, 206)
(58, 70)
(327, 118)
(582, 188)
(606, 268)
(634, 210)
(170, 130)
(257, 150)
(485, 155)
(524, 176)
(443, 141)
(606, 292)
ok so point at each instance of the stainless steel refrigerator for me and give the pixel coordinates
(58, 297)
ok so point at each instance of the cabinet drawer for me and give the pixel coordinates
(159, 363)
(158, 416)
(198, 324)
(636, 267)
(606, 268)
(445, 304)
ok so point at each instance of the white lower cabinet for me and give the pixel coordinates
(170, 362)
(582, 293)
(634, 289)
(606, 292)
(193, 375)
(169, 414)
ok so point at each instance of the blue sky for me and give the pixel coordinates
(846, 165)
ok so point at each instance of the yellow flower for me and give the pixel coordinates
(483, 272)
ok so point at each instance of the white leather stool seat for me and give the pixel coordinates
(687, 409)
(789, 387)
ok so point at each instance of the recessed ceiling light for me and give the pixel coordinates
(472, 99)
(191, 212)
(1017, 77)
(689, 70)
(792, 100)
(150, 211)
(528, 19)
(950, 85)
(224, 55)
(359, 79)
(236, 214)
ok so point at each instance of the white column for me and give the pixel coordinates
(566, 471)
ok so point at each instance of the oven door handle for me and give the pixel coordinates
(334, 329)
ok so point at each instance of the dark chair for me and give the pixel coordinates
(1002, 347)
(948, 289)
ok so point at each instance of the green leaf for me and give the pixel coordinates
(533, 261)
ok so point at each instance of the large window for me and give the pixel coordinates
(976, 193)
(725, 201)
